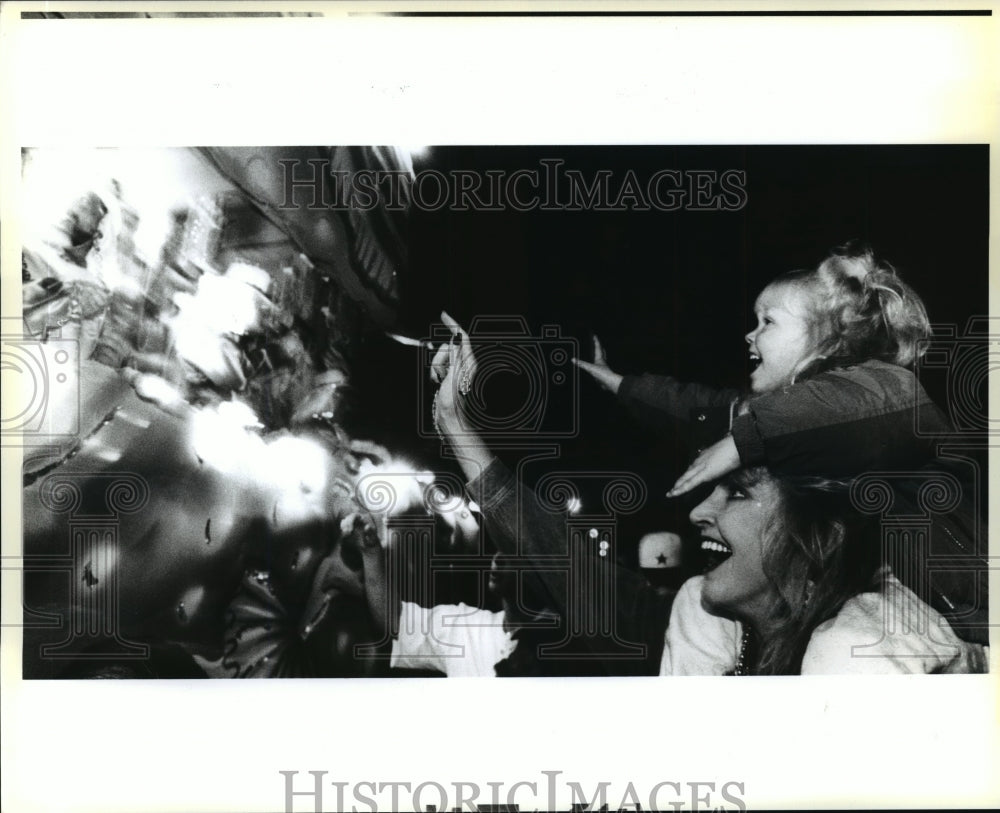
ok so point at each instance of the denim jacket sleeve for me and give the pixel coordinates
(840, 423)
(654, 399)
(837, 423)
(520, 525)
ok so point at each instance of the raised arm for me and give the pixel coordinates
(654, 400)
(520, 525)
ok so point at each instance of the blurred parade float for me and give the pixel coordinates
(190, 327)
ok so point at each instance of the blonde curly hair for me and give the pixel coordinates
(859, 309)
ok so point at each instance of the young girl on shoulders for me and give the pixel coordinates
(833, 350)
(832, 394)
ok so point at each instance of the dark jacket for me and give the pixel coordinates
(837, 423)
(613, 614)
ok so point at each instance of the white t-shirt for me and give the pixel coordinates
(887, 632)
(456, 639)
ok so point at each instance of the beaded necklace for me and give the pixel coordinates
(745, 655)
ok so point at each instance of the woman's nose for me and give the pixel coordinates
(705, 512)
(750, 336)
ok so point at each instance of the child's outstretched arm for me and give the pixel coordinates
(654, 399)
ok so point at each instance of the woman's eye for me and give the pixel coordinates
(735, 493)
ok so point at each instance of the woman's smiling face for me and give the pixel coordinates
(734, 522)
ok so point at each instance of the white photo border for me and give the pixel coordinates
(219, 746)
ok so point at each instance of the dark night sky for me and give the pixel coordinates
(673, 292)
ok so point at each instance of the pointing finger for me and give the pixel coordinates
(450, 323)
(440, 363)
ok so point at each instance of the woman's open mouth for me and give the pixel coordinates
(714, 553)
(755, 360)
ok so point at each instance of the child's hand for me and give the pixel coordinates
(716, 461)
(599, 369)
